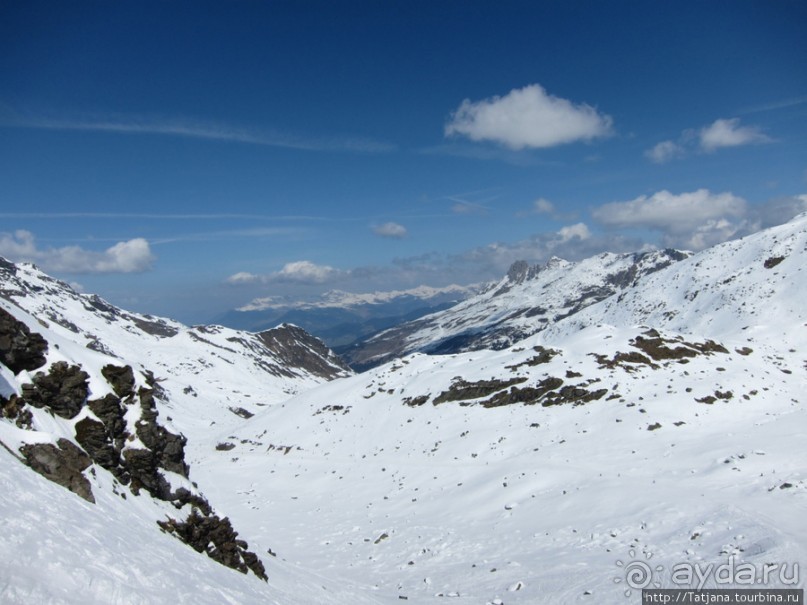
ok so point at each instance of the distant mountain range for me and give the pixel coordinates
(340, 318)
(526, 301)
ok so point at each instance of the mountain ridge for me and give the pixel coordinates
(522, 303)
(536, 472)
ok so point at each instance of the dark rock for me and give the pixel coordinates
(518, 271)
(528, 395)
(13, 408)
(20, 349)
(120, 378)
(771, 262)
(62, 463)
(296, 348)
(544, 356)
(182, 496)
(96, 441)
(462, 389)
(110, 411)
(63, 389)
(142, 467)
(168, 448)
(216, 537)
(416, 401)
(574, 394)
(241, 412)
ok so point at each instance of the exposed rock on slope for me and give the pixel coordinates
(119, 431)
(20, 349)
(85, 404)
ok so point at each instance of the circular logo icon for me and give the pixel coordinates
(637, 574)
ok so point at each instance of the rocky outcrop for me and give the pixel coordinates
(63, 389)
(168, 449)
(121, 379)
(216, 537)
(20, 349)
(109, 409)
(95, 440)
(138, 453)
(14, 409)
(62, 463)
(297, 349)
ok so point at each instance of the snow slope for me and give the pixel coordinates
(660, 429)
(667, 449)
(524, 302)
(59, 548)
(204, 369)
(756, 286)
(521, 502)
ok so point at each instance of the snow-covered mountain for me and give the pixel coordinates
(547, 471)
(340, 318)
(271, 365)
(652, 433)
(524, 302)
(116, 407)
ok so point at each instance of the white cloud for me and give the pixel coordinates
(304, 271)
(542, 206)
(391, 230)
(720, 133)
(729, 133)
(667, 211)
(244, 278)
(664, 152)
(692, 220)
(778, 211)
(578, 231)
(528, 117)
(133, 256)
(297, 272)
(574, 242)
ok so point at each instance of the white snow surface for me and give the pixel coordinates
(368, 491)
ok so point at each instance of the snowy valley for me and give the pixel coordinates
(628, 411)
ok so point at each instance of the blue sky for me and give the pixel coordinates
(182, 158)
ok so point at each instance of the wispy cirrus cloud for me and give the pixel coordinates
(183, 127)
(131, 256)
(775, 105)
